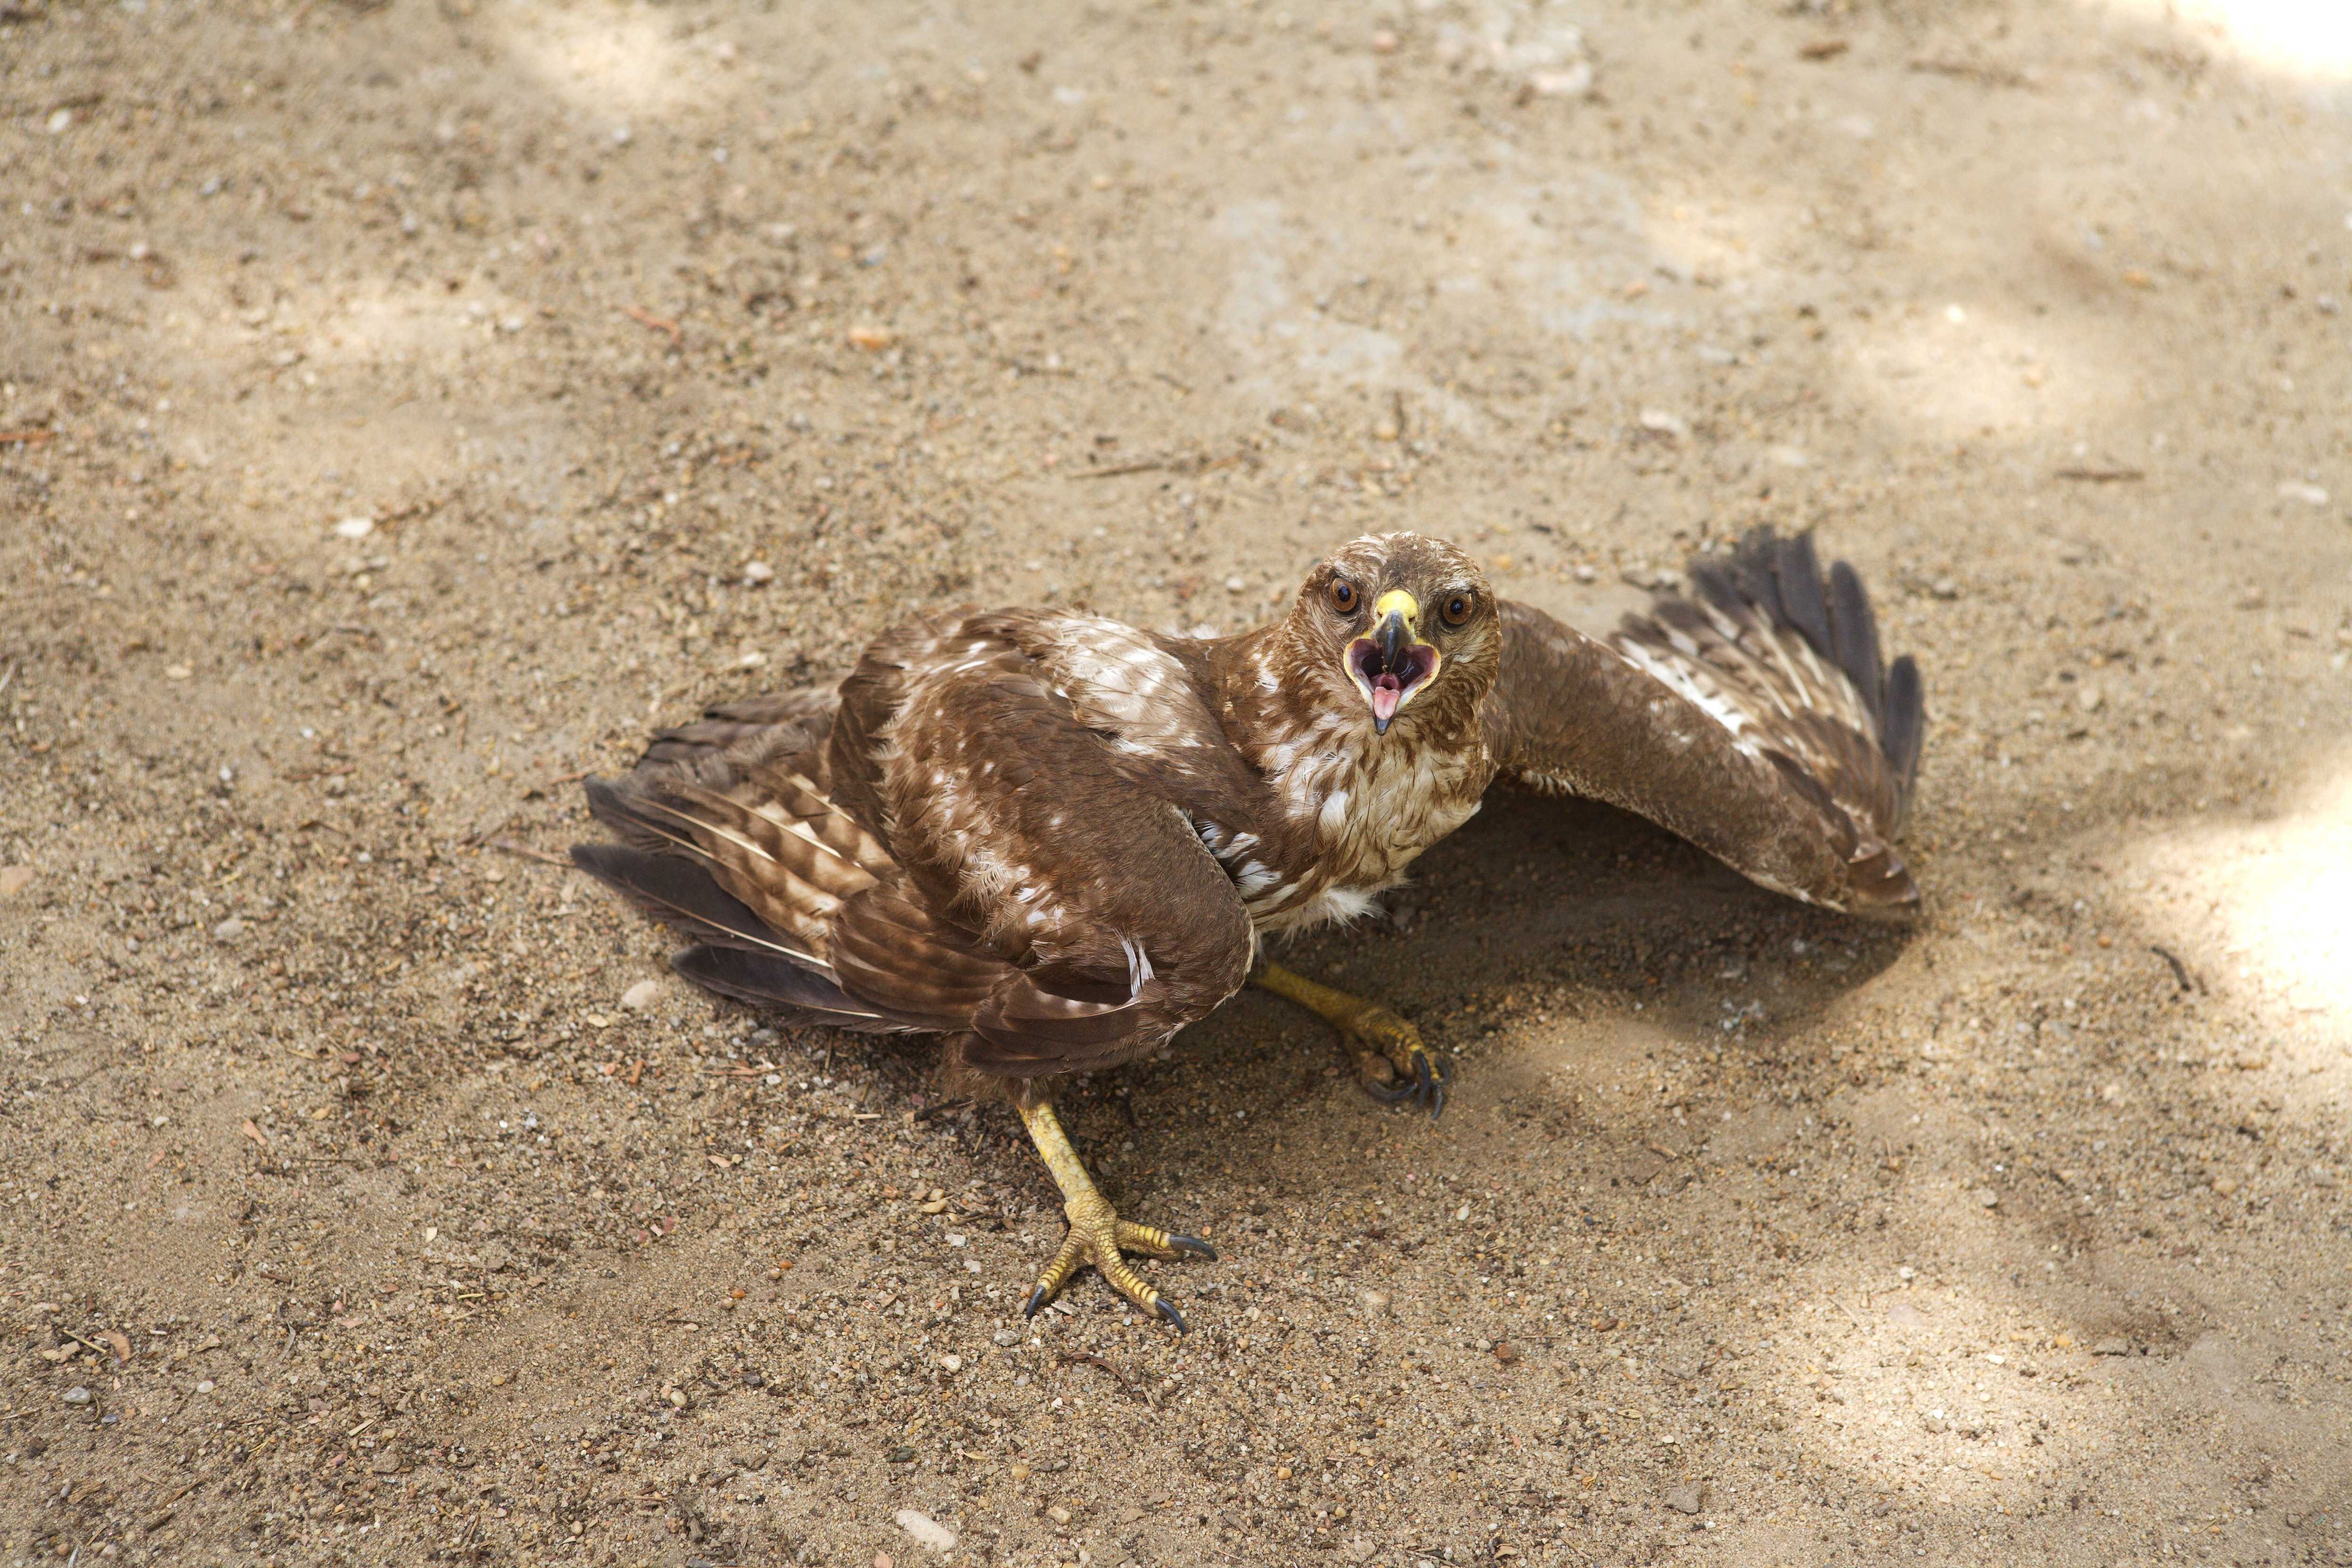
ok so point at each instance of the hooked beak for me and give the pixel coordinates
(1391, 662)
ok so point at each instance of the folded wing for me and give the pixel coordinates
(950, 841)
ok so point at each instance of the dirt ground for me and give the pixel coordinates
(406, 404)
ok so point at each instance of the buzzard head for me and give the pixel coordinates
(1399, 623)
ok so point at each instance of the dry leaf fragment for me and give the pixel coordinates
(121, 1345)
(250, 1130)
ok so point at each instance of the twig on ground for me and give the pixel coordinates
(643, 317)
(527, 852)
(2180, 970)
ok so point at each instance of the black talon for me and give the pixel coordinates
(1193, 1245)
(1388, 1096)
(1037, 1300)
(1172, 1315)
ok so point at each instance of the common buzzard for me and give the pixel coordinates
(1051, 840)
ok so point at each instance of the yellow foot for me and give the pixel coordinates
(1381, 1040)
(1097, 1235)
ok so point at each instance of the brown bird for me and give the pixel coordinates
(1053, 840)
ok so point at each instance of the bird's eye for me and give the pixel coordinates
(1457, 609)
(1343, 595)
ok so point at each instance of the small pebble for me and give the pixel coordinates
(2089, 699)
(229, 929)
(757, 571)
(1658, 422)
(1987, 1198)
(1235, 584)
(77, 1394)
(177, 672)
(1058, 1514)
(2310, 495)
(871, 337)
(934, 1535)
(205, 1386)
(640, 997)
(356, 527)
(1375, 1301)
(951, 1364)
(1685, 1499)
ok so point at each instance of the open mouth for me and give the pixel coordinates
(1388, 670)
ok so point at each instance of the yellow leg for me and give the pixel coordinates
(1097, 1233)
(1380, 1036)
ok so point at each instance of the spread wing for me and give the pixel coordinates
(1753, 717)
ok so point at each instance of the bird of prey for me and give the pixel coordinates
(1050, 840)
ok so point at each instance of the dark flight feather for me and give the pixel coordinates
(763, 980)
(681, 894)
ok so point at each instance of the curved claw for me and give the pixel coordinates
(1388, 1096)
(1197, 1247)
(1168, 1311)
(1036, 1303)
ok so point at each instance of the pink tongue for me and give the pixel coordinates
(1387, 692)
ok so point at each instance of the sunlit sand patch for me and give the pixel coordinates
(2311, 39)
(1956, 367)
(613, 60)
(2268, 905)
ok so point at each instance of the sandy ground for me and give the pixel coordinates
(397, 398)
